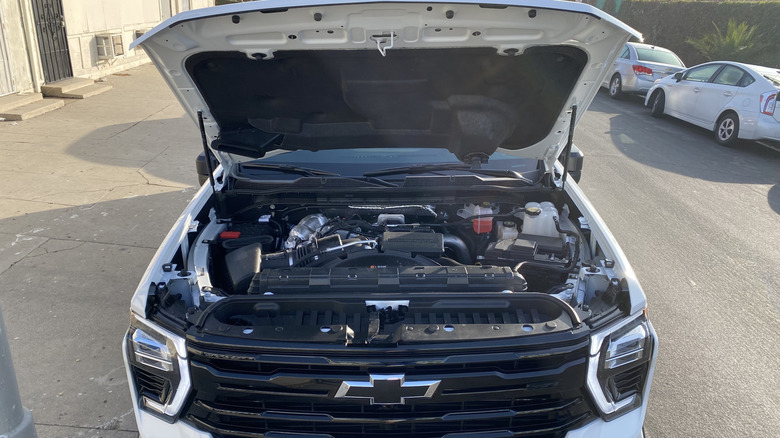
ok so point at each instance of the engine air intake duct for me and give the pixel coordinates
(389, 279)
(419, 243)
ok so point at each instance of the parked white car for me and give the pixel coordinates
(734, 100)
(638, 67)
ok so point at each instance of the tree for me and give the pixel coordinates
(739, 43)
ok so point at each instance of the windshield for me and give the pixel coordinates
(774, 79)
(770, 74)
(659, 56)
(356, 162)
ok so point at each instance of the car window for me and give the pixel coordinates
(701, 74)
(730, 75)
(624, 53)
(659, 56)
(746, 80)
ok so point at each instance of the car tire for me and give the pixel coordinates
(616, 87)
(657, 104)
(727, 129)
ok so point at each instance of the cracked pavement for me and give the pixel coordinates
(89, 191)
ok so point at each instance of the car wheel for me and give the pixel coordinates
(727, 129)
(657, 105)
(616, 87)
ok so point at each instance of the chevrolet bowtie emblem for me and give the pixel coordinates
(387, 389)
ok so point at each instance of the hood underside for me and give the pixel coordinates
(469, 78)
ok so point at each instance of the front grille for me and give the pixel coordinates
(537, 394)
(152, 386)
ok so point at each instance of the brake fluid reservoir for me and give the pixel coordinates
(506, 230)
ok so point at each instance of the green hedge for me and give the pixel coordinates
(669, 24)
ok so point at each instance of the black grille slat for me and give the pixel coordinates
(151, 386)
(628, 382)
(249, 427)
(423, 412)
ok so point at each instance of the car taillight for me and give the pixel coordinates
(768, 102)
(642, 70)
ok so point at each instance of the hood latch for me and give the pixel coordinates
(384, 41)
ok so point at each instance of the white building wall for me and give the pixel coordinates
(83, 20)
(86, 18)
(16, 45)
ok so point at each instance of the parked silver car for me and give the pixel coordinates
(734, 100)
(638, 67)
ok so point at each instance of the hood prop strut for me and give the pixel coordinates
(569, 142)
(206, 151)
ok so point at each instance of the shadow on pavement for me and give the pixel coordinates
(160, 148)
(68, 276)
(676, 146)
(774, 198)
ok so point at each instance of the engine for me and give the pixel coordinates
(471, 247)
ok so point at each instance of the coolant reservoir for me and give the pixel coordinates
(539, 219)
(550, 214)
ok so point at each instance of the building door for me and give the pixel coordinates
(52, 40)
(6, 85)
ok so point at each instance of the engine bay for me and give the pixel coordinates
(388, 253)
(399, 247)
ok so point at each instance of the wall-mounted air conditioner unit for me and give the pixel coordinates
(109, 46)
(139, 33)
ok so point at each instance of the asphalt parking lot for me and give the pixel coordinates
(89, 192)
(700, 224)
(91, 189)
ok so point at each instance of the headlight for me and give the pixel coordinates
(158, 364)
(151, 352)
(619, 366)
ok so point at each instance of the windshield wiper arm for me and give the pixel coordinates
(284, 168)
(432, 168)
(420, 168)
(504, 173)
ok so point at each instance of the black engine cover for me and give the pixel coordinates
(389, 279)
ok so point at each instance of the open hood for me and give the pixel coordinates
(469, 77)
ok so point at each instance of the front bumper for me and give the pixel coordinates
(627, 426)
